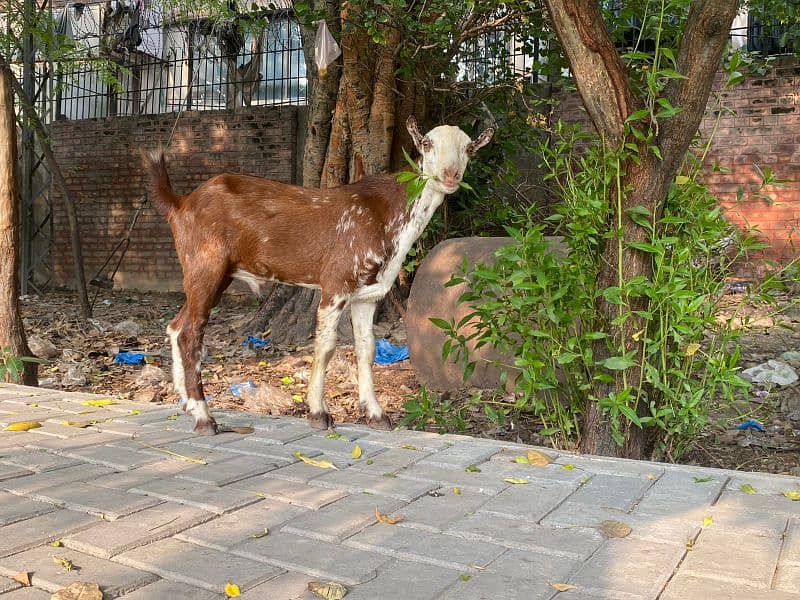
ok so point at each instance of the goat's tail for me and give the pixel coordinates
(160, 189)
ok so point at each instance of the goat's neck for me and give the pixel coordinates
(415, 219)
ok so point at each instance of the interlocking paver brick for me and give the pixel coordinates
(718, 555)
(51, 526)
(411, 580)
(314, 557)
(126, 480)
(612, 491)
(514, 576)
(389, 461)
(119, 459)
(529, 502)
(7, 584)
(609, 570)
(770, 485)
(172, 590)
(95, 500)
(212, 442)
(680, 492)
(10, 471)
(13, 508)
(200, 566)
(288, 585)
(343, 518)
(400, 438)
(744, 522)
(207, 497)
(38, 461)
(684, 587)
(63, 445)
(301, 472)
(787, 579)
(113, 579)
(111, 538)
(336, 449)
(357, 482)
(226, 531)
(16, 439)
(275, 453)
(28, 593)
(791, 544)
(289, 492)
(485, 483)
(227, 471)
(501, 469)
(66, 476)
(437, 510)
(284, 434)
(578, 543)
(423, 546)
(734, 500)
(461, 455)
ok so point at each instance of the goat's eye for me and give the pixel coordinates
(427, 144)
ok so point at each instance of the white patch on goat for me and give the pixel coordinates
(178, 374)
(362, 315)
(198, 409)
(324, 346)
(254, 282)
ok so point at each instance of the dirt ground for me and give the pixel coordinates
(80, 357)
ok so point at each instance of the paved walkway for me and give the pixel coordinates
(149, 511)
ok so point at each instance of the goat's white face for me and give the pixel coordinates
(445, 152)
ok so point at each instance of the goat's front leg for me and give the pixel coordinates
(186, 339)
(362, 314)
(328, 315)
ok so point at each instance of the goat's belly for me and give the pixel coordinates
(254, 282)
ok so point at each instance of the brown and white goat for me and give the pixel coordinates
(348, 241)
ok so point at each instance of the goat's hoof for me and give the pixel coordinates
(208, 427)
(321, 421)
(382, 423)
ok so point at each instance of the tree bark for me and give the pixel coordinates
(12, 333)
(609, 100)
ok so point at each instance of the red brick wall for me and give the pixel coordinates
(100, 161)
(763, 130)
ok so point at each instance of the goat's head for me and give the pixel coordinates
(445, 152)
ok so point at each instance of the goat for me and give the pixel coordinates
(349, 241)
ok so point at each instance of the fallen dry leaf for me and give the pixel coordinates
(615, 529)
(23, 577)
(516, 480)
(99, 402)
(322, 464)
(232, 590)
(243, 429)
(328, 591)
(356, 453)
(64, 563)
(563, 587)
(707, 521)
(78, 590)
(22, 426)
(539, 459)
(792, 495)
(384, 519)
(747, 488)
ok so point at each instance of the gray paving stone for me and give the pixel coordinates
(343, 518)
(212, 442)
(612, 491)
(104, 502)
(25, 413)
(16, 439)
(66, 476)
(746, 522)
(55, 444)
(176, 451)
(114, 579)
(791, 544)
(197, 565)
(14, 508)
(420, 440)
(669, 528)
(484, 483)
(681, 493)
(127, 480)
(38, 461)
(514, 576)
(283, 435)
(461, 455)
(207, 497)
(410, 580)
(787, 579)
(609, 570)
(119, 459)
(422, 546)
(56, 428)
(227, 471)
(270, 452)
(684, 587)
(226, 531)
(357, 482)
(501, 469)
(530, 502)
(603, 465)
(578, 543)
(301, 472)
(159, 416)
(289, 585)
(436, 512)
(389, 461)
(757, 503)
(172, 590)
(336, 449)
(43, 529)
(27, 593)
(313, 557)
(763, 483)
(289, 492)
(145, 438)
(108, 539)
(7, 584)
(718, 555)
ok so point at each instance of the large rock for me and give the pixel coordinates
(430, 298)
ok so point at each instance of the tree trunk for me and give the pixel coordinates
(12, 334)
(609, 100)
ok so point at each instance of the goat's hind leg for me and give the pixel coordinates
(362, 314)
(328, 315)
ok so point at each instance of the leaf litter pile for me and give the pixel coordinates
(273, 380)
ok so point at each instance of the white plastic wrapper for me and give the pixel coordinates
(326, 50)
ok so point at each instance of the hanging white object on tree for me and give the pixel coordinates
(326, 50)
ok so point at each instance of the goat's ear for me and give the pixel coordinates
(480, 141)
(416, 136)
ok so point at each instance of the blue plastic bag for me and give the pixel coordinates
(751, 424)
(255, 342)
(129, 358)
(238, 388)
(387, 353)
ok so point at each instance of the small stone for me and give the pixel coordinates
(773, 371)
(268, 399)
(75, 376)
(128, 328)
(152, 374)
(41, 347)
(792, 357)
(146, 395)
